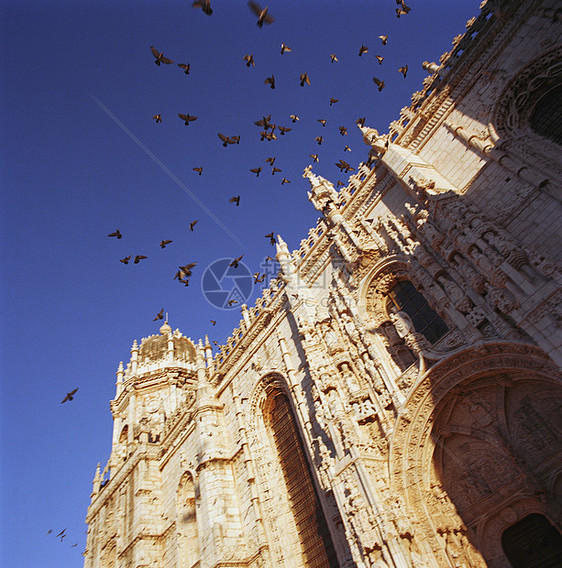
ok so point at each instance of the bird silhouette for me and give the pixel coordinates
(249, 59)
(257, 278)
(192, 224)
(138, 258)
(159, 56)
(314, 157)
(271, 238)
(264, 122)
(268, 258)
(284, 181)
(343, 130)
(284, 129)
(116, 233)
(344, 166)
(236, 261)
(322, 121)
(213, 322)
(333, 101)
(186, 270)
(360, 121)
(157, 118)
(270, 161)
(229, 139)
(64, 530)
(159, 315)
(275, 170)
(270, 81)
(187, 118)
(347, 148)
(340, 183)
(403, 70)
(231, 302)
(380, 59)
(261, 13)
(363, 49)
(402, 10)
(235, 199)
(319, 139)
(205, 5)
(285, 48)
(304, 79)
(378, 83)
(333, 57)
(185, 66)
(125, 260)
(256, 171)
(69, 396)
(163, 243)
(294, 118)
(384, 39)
(198, 169)
(216, 343)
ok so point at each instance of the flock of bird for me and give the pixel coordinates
(268, 130)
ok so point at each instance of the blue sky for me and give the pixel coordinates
(73, 172)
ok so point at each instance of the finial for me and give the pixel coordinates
(135, 346)
(430, 67)
(207, 344)
(166, 328)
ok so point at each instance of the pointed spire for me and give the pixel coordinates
(120, 374)
(208, 352)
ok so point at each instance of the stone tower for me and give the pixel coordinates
(394, 398)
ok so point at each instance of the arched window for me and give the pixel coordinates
(546, 117)
(314, 536)
(403, 297)
(533, 542)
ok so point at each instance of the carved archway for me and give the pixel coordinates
(478, 448)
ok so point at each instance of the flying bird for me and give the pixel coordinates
(314, 157)
(380, 59)
(284, 129)
(125, 260)
(257, 278)
(322, 121)
(256, 171)
(275, 170)
(403, 70)
(344, 166)
(138, 258)
(116, 233)
(264, 122)
(185, 66)
(271, 238)
(360, 121)
(235, 262)
(379, 83)
(229, 139)
(269, 136)
(263, 16)
(384, 39)
(347, 148)
(159, 315)
(285, 48)
(198, 169)
(69, 396)
(157, 118)
(294, 118)
(403, 10)
(64, 530)
(235, 199)
(343, 130)
(270, 81)
(159, 56)
(304, 79)
(319, 139)
(284, 181)
(192, 224)
(270, 161)
(163, 243)
(187, 118)
(340, 183)
(249, 59)
(230, 302)
(185, 270)
(333, 101)
(333, 57)
(216, 343)
(267, 258)
(213, 322)
(363, 49)
(205, 5)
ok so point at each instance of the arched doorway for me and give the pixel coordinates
(533, 542)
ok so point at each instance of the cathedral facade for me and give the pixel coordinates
(394, 398)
